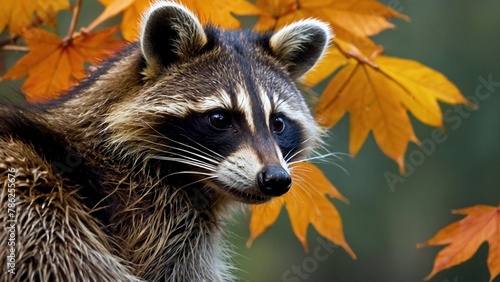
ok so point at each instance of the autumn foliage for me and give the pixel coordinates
(377, 91)
(463, 238)
(66, 61)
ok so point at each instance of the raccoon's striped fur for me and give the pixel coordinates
(128, 177)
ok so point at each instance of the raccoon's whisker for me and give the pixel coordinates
(341, 167)
(285, 157)
(297, 197)
(185, 161)
(190, 172)
(201, 156)
(182, 153)
(215, 155)
(188, 157)
(185, 145)
(198, 181)
(327, 151)
(305, 179)
(323, 158)
(307, 140)
(221, 158)
(288, 157)
(206, 156)
(181, 156)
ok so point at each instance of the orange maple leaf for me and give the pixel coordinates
(306, 203)
(218, 12)
(54, 65)
(378, 94)
(482, 224)
(352, 20)
(19, 14)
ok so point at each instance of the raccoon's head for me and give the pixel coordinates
(220, 109)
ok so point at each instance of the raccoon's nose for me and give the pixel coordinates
(274, 180)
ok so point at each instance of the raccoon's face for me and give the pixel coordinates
(220, 107)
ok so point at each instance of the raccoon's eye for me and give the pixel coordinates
(277, 124)
(220, 119)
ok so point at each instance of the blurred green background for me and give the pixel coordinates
(383, 223)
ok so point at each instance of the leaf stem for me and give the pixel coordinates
(74, 20)
(11, 47)
(359, 57)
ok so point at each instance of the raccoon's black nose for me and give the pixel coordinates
(274, 180)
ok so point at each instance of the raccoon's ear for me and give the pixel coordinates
(300, 45)
(170, 32)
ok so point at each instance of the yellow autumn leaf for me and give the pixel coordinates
(378, 96)
(337, 55)
(132, 13)
(366, 54)
(350, 19)
(18, 14)
(331, 61)
(423, 87)
(217, 12)
(112, 9)
(307, 204)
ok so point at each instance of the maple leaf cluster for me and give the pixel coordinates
(53, 64)
(376, 90)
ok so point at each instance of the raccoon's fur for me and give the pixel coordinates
(128, 176)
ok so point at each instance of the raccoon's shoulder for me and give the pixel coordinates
(21, 125)
(40, 155)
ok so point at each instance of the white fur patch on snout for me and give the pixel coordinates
(239, 170)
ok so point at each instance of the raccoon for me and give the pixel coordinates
(129, 176)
